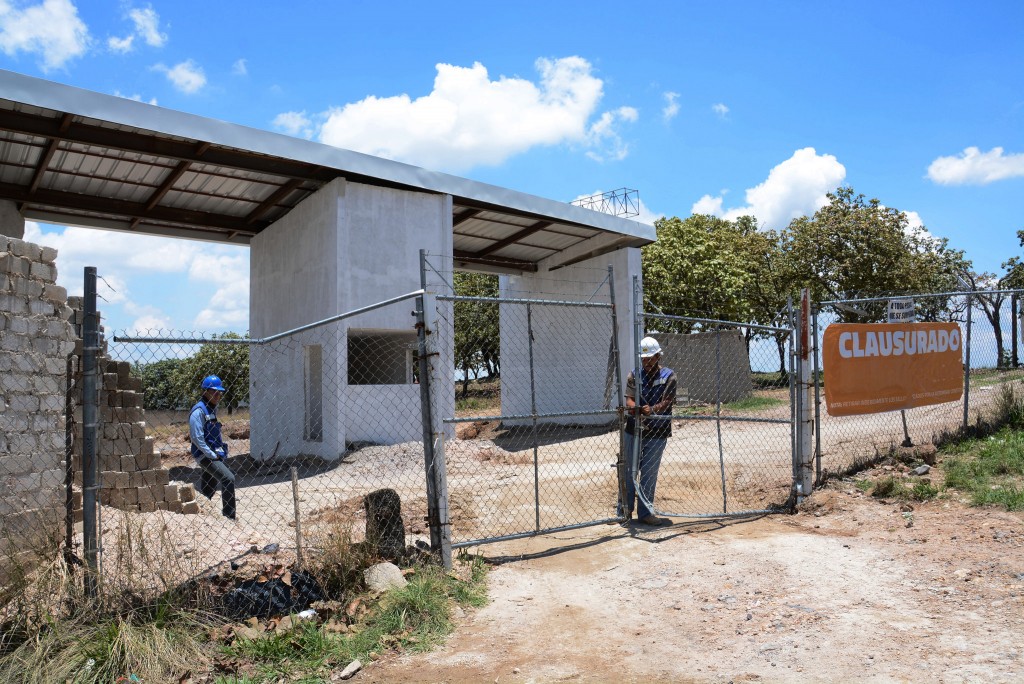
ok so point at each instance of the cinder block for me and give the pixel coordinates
(46, 272)
(38, 307)
(145, 495)
(127, 397)
(135, 384)
(190, 508)
(137, 478)
(174, 505)
(124, 370)
(147, 506)
(110, 381)
(128, 464)
(122, 480)
(138, 430)
(161, 505)
(113, 396)
(171, 492)
(55, 293)
(47, 254)
(147, 446)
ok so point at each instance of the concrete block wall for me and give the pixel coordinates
(709, 366)
(131, 476)
(35, 339)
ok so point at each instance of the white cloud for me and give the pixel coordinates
(240, 68)
(229, 306)
(120, 44)
(796, 187)
(295, 123)
(468, 119)
(974, 167)
(147, 26)
(603, 136)
(137, 268)
(187, 76)
(671, 106)
(51, 30)
(720, 109)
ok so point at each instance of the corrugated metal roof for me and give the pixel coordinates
(83, 158)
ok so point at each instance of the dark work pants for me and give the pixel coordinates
(216, 473)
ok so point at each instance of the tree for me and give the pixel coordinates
(696, 269)
(228, 361)
(477, 337)
(856, 247)
(991, 304)
(158, 379)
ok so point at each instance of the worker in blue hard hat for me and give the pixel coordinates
(209, 448)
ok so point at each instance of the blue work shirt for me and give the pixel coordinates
(204, 431)
(655, 387)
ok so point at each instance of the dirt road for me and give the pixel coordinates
(848, 589)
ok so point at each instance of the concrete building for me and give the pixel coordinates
(329, 230)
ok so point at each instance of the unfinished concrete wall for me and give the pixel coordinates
(571, 346)
(35, 340)
(709, 366)
(347, 246)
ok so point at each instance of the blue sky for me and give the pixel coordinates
(713, 107)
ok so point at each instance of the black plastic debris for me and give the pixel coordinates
(252, 598)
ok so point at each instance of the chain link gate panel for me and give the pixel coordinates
(315, 419)
(732, 446)
(537, 453)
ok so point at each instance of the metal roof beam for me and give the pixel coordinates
(51, 147)
(465, 216)
(127, 210)
(151, 144)
(269, 203)
(511, 239)
(472, 258)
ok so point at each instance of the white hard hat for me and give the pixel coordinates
(649, 347)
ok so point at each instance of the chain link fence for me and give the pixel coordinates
(731, 444)
(989, 324)
(323, 427)
(534, 435)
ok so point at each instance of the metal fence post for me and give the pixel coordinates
(806, 483)
(437, 495)
(718, 416)
(817, 395)
(533, 416)
(1013, 330)
(620, 463)
(90, 425)
(967, 364)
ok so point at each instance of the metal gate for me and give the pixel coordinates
(539, 454)
(733, 442)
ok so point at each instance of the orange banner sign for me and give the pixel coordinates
(890, 366)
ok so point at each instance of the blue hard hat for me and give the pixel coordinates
(214, 383)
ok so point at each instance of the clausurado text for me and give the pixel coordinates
(872, 343)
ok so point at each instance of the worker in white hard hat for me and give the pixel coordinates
(650, 421)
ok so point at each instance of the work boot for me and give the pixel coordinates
(655, 520)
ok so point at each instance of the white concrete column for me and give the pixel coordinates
(12, 223)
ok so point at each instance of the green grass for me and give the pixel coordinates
(891, 487)
(991, 473)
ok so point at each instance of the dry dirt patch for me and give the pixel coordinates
(844, 590)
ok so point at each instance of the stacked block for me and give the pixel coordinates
(35, 340)
(131, 475)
